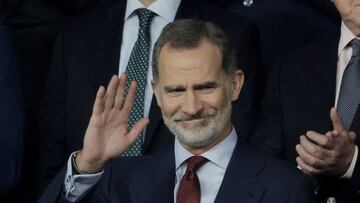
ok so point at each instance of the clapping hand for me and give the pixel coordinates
(329, 154)
(107, 134)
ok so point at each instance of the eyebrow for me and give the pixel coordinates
(205, 85)
(200, 86)
(174, 88)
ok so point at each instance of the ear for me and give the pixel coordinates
(155, 89)
(237, 83)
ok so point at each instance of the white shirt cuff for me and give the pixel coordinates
(76, 186)
(351, 169)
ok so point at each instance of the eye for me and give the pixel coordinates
(174, 91)
(207, 90)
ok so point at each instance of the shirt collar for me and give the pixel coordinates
(220, 154)
(345, 38)
(164, 8)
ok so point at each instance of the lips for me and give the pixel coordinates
(192, 121)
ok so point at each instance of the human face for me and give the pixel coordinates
(195, 95)
(350, 14)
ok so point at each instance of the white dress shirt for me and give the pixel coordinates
(344, 56)
(165, 13)
(210, 174)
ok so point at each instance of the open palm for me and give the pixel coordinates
(107, 135)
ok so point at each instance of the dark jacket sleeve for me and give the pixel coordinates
(52, 120)
(11, 118)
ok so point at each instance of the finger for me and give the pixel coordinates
(314, 149)
(332, 134)
(308, 169)
(336, 121)
(98, 106)
(309, 159)
(110, 92)
(130, 98)
(137, 129)
(119, 99)
(320, 139)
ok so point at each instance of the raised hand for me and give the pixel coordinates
(329, 154)
(107, 135)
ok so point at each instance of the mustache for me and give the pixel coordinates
(201, 114)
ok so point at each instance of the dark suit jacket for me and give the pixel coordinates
(34, 27)
(287, 24)
(250, 177)
(299, 97)
(11, 123)
(87, 55)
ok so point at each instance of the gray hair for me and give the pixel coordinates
(188, 34)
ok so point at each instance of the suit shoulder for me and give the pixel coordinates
(279, 179)
(324, 48)
(226, 19)
(287, 174)
(94, 16)
(269, 166)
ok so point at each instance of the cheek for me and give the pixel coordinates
(169, 106)
(218, 100)
(350, 11)
(356, 14)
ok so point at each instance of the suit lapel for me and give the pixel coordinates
(240, 183)
(115, 20)
(105, 34)
(155, 180)
(155, 117)
(90, 63)
(318, 93)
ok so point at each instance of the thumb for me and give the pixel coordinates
(336, 120)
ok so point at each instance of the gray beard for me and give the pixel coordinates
(199, 136)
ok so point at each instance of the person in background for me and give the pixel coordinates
(311, 108)
(34, 26)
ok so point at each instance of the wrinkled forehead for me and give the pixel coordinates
(193, 64)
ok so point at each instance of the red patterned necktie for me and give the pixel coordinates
(189, 188)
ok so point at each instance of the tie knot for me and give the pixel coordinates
(195, 162)
(355, 44)
(145, 17)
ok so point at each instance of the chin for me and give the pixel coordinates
(196, 138)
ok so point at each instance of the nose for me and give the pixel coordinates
(191, 104)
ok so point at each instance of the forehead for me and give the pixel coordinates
(198, 64)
